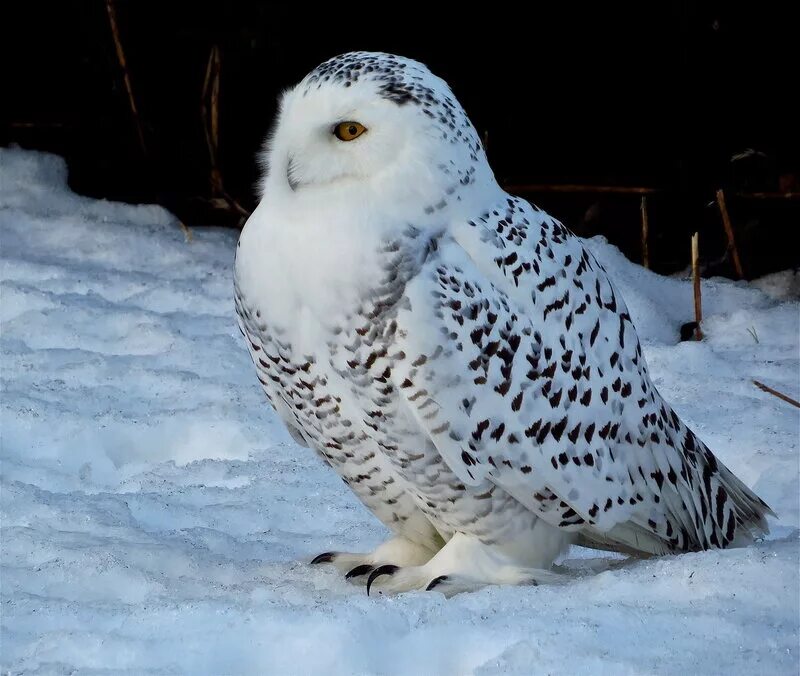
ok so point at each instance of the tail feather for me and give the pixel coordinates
(707, 507)
(751, 510)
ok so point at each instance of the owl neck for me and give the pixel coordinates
(321, 271)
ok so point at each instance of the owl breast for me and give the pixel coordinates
(333, 383)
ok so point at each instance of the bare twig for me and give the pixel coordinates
(210, 99)
(698, 305)
(769, 195)
(780, 395)
(645, 234)
(187, 233)
(572, 187)
(112, 19)
(209, 109)
(37, 125)
(726, 222)
(215, 97)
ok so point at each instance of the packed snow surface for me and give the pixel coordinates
(156, 517)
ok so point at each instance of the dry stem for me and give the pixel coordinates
(112, 19)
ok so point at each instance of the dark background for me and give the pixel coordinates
(658, 95)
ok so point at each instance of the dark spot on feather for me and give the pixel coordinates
(543, 432)
(483, 425)
(503, 387)
(722, 497)
(595, 332)
(558, 428)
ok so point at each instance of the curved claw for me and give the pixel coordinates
(326, 557)
(435, 582)
(387, 569)
(363, 569)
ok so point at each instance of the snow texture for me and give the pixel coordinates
(156, 517)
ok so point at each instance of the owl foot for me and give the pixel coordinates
(356, 566)
(328, 557)
(463, 564)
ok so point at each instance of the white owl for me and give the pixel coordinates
(453, 352)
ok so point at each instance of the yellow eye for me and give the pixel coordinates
(347, 131)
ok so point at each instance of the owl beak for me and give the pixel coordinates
(290, 171)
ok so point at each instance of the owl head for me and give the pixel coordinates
(365, 125)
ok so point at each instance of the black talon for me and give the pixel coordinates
(363, 569)
(435, 582)
(388, 569)
(327, 557)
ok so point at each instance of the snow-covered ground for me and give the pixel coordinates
(157, 518)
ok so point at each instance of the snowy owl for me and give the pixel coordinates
(455, 353)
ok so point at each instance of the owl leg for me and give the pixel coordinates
(463, 564)
(398, 551)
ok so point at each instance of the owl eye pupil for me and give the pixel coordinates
(352, 130)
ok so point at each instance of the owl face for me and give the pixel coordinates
(337, 138)
(367, 126)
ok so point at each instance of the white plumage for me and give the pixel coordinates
(454, 352)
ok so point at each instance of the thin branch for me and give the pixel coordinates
(726, 222)
(187, 233)
(212, 151)
(698, 303)
(769, 195)
(112, 19)
(215, 98)
(37, 125)
(571, 187)
(645, 234)
(209, 111)
(210, 100)
(780, 395)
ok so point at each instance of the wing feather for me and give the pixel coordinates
(524, 357)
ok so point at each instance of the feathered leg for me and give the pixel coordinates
(466, 564)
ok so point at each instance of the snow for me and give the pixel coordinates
(157, 518)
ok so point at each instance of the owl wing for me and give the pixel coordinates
(524, 369)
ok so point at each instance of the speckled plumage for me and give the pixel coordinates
(456, 354)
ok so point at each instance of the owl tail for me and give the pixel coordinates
(751, 510)
(706, 507)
